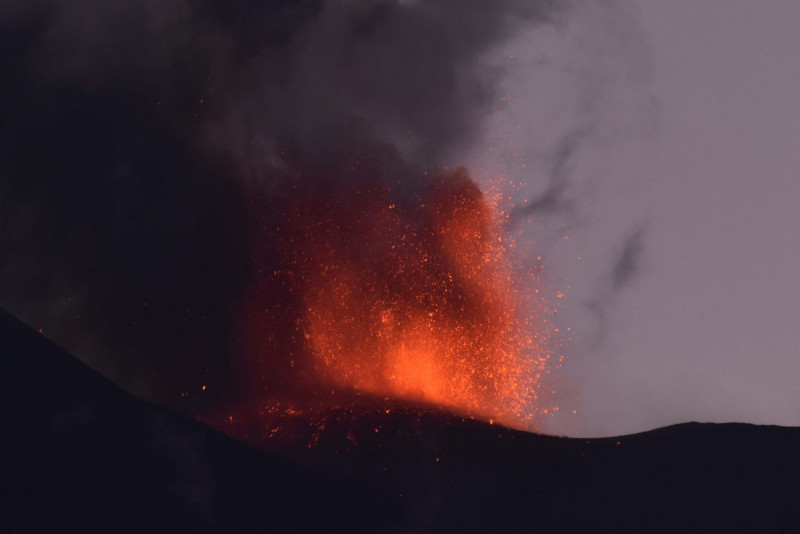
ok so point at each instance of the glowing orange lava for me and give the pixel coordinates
(418, 302)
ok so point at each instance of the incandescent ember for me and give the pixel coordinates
(418, 301)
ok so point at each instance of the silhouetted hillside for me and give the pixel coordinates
(77, 452)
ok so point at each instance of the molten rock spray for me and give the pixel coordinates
(417, 301)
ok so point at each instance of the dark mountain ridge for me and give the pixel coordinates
(77, 451)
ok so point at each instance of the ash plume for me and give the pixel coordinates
(145, 144)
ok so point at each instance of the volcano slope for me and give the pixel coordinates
(78, 452)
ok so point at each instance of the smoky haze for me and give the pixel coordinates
(147, 150)
(655, 140)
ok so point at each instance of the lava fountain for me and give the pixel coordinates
(416, 302)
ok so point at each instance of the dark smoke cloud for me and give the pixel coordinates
(553, 199)
(142, 141)
(627, 263)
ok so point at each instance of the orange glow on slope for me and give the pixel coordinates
(418, 303)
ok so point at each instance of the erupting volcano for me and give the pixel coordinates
(416, 300)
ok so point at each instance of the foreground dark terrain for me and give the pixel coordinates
(78, 453)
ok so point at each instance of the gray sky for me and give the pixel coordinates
(672, 128)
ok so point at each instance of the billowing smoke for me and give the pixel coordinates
(148, 150)
(579, 120)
